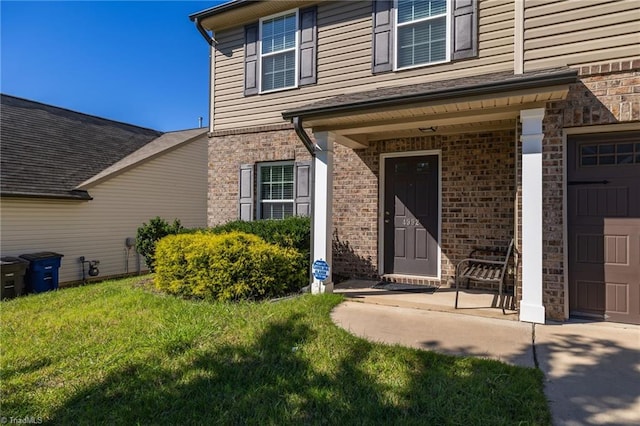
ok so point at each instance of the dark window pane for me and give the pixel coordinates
(589, 149)
(422, 167)
(624, 148)
(589, 161)
(279, 71)
(265, 191)
(606, 149)
(276, 210)
(607, 159)
(625, 159)
(422, 43)
(410, 10)
(287, 191)
(279, 33)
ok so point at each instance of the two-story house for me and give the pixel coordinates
(413, 131)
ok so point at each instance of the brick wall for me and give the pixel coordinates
(477, 190)
(478, 187)
(229, 149)
(607, 93)
(478, 184)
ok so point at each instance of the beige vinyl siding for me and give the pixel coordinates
(344, 63)
(576, 32)
(172, 185)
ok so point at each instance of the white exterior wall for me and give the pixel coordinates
(172, 185)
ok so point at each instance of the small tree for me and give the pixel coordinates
(149, 234)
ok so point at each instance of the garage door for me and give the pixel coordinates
(604, 226)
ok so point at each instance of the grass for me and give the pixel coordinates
(115, 353)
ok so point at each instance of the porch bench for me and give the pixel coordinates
(485, 265)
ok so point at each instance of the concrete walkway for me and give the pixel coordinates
(592, 369)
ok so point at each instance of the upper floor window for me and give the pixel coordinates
(280, 52)
(421, 32)
(278, 39)
(413, 33)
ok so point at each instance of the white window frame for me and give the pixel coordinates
(396, 49)
(295, 48)
(260, 199)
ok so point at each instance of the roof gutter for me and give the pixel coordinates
(199, 16)
(76, 195)
(210, 40)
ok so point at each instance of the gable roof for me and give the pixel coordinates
(48, 151)
(167, 142)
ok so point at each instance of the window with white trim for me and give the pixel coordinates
(279, 47)
(416, 33)
(276, 190)
(421, 32)
(280, 52)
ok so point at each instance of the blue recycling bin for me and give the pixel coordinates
(42, 273)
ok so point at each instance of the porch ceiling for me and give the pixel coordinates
(454, 106)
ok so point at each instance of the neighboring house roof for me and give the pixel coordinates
(48, 151)
(163, 144)
(436, 90)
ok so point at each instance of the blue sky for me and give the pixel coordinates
(139, 62)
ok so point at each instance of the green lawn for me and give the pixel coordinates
(116, 353)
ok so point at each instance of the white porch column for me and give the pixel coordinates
(322, 218)
(531, 307)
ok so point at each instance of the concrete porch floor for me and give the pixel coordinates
(470, 302)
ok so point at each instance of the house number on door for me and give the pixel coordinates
(410, 222)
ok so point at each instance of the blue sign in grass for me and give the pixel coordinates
(320, 270)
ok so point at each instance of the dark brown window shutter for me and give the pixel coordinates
(308, 46)
(303, 188)
(382, 48)
(251, 59)
(465, 29)
(245, 192)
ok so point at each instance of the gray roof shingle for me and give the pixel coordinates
(46, 151)
(440, 89)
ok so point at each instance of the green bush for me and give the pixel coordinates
(149, 234)
(228, 266)
(293, 232)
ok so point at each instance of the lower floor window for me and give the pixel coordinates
(276, 188)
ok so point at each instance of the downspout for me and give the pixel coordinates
(311, 147)
(212, 58)
(304, 137)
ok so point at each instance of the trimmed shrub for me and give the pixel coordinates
(229, 266)
(149, 234)
(292, 232)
